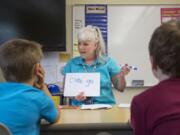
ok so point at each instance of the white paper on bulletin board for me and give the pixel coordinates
(89, 83)
(129, 30)
(78, 23)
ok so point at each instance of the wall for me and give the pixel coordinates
(129, 34)
(69, 13)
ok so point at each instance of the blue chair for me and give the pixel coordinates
(4, 130)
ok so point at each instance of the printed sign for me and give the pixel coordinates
(170, 14)
(89, 83)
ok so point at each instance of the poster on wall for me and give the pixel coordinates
(77, 26)
(96, 15)
(78, 23)
(84, 15)
(169, 14)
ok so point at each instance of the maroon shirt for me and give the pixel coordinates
(157, 110)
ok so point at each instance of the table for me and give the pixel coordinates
(114, 121)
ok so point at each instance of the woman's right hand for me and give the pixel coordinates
(80, 96)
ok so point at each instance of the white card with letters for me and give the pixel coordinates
(89, 83)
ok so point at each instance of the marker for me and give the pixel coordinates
(131, 67)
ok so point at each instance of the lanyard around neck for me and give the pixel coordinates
(93, 69)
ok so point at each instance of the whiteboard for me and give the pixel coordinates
(129, 30)
(128, 37)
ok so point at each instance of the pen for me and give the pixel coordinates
(134, 68)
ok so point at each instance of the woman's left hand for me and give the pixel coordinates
(80, 96)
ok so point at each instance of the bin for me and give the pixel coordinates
(56, 94)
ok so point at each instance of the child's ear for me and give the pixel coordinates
(153, 64)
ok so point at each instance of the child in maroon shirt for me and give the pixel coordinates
(157, 110)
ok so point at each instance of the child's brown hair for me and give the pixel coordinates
(17, 59)
(164, 48)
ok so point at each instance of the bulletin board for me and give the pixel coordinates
(129, 31)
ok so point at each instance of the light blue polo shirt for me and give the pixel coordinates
(107, 68)
(23, 106)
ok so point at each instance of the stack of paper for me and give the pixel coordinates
(96, 106)
(126, 105)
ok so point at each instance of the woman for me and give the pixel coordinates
(93, 59)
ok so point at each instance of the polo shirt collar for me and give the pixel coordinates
(81, 61)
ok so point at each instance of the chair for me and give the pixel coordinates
(4, 130)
